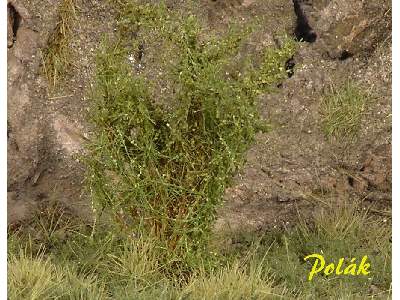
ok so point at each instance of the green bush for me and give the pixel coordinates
(161, 158)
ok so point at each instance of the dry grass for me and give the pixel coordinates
(57, 57)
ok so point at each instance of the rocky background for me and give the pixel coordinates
(291, 171)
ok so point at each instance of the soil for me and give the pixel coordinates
(290, 172)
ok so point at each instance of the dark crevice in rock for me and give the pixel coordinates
(345, 55)
(140, 52)
(14, 20)
(341, 56)
(303, 31)
(8, 130)
(289, 67)
(350, 180)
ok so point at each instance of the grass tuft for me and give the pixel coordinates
(342, 111)
(37, 277)
(57, 57)
(232, 282)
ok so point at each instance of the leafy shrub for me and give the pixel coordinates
(162, 157)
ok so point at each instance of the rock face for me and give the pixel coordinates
(294, 170)
(41, 141)
(354, 27)
(25, 131)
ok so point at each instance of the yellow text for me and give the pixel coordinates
(338, 269)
